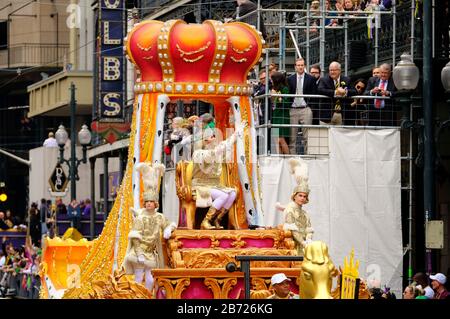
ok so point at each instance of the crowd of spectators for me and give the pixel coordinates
(339, 108)
(19, 263)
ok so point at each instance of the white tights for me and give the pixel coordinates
(139, 276)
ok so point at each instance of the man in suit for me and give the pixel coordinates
(375, 76)
(300, 112)
(382, 112)
(337, 109)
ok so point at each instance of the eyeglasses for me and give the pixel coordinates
(359, 87)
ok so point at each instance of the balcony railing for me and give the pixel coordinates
(33, 54)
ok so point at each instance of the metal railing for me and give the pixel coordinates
(33, 54)
(19, 284)
(379, 35)
(245, 266)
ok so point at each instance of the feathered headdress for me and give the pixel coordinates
(299, 169)
(151, 176)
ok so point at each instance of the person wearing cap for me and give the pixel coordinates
(208, 158)
(296, 219)
(437, 283)
(281, 287)
(144, 251)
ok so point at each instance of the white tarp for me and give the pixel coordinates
(355, 200)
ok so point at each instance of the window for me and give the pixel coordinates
(3, 35)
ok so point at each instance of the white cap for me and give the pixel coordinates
(429, 292)
(440, 278)
(278, 278)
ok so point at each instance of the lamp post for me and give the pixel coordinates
(84, 136)
(445, 79)
(406, 78)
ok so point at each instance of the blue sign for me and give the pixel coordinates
(111, 83)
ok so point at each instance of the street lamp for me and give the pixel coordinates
(406, 78)
(84, 136)
(445, 77)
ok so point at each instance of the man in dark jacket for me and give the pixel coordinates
(381, 111)
(337, 110)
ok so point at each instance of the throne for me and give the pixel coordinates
(190, 217)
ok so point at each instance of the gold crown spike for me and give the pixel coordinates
(350, 277)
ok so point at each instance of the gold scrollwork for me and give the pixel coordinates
(167, 285)
(238, 60)
(193, 60)
(241, 51)
(228, 285)
(213, 285)
(183, 53)
(146, 49)
(181, 286)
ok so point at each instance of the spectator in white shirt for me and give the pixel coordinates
(50, 141)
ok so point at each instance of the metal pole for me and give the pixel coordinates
(283, 53)
(73, 142)
(266, 108)
(105, 186)
(122, 164)
(394, 26)
(377, 23)
(410, 209)
(345, 47)
(413, 9)
(427, 93)
(308, 21)
(245, 268)
(433, 31)
(258, 21)
(322, 39)
(92, 217)
(280, 52)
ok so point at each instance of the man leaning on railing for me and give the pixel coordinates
(337, 110)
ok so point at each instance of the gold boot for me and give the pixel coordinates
(222, 213)
(206, 223)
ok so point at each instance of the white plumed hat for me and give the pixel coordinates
(299, 169)
(151, 176)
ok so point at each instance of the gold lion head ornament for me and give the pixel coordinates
(317, 272)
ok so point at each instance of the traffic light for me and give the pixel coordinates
(3, 194)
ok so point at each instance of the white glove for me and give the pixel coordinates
(168, 230)
(141, 259)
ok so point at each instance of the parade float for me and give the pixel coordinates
(208, 62)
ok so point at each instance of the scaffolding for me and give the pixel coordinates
(306, 37)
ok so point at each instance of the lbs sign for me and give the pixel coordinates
(58, 181)
(111, 85)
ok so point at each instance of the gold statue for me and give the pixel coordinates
(144, 250)
(317, 272)
(297, 219)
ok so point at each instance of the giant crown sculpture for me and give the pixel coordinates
(177, 58)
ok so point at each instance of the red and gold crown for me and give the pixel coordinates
(212, 58)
